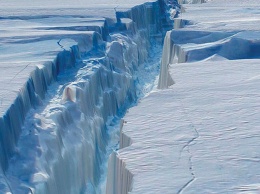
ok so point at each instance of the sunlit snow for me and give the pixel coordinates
(199, 131)
(71, 70)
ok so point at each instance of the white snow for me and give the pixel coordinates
(201, 134)
(202, 129)
(67, 71)
(70, 69)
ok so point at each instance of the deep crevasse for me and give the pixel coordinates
(180, 46)
(44, 150)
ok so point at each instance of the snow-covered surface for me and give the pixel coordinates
(68, 70)
(201, 134)
(223, 15)
(34, 32)
(203, 131)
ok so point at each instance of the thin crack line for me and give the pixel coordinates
(193, 127)
(188, 150)
(191, 172)
(19, 72)
(185, 186)
(60, 44)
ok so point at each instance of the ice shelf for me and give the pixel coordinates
(66, 70)
(201, 134)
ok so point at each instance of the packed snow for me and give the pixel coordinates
(198, 131)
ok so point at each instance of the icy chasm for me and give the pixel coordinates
(53, 136)
(199, 131)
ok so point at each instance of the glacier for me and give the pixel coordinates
(68, 73)
(198, 131)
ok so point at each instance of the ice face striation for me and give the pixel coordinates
(53, 132)
(190, 46)
(200, 134)
(165, 79)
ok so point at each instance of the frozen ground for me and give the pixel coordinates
(200, 133)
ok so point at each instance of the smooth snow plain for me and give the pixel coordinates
(198, 131)
(69, 70)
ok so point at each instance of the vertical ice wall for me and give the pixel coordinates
(165, 79)
(182, 45)
(119, 178)
(58, 146)
(13, 124)
(32, 93)
(29, 96)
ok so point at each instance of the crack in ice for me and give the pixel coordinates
(187, 145)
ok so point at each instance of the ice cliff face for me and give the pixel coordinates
(182, 46)
(156, 157)
(53, 137)
(165, 79)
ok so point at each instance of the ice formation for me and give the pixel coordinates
(199, 135)
(69, 71)
(165, 78)
(54, 127)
